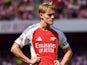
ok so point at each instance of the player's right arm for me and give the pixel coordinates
(20, 42)
(15, 49)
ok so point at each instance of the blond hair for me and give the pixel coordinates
(44, 6)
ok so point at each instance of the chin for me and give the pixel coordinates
(51, 23)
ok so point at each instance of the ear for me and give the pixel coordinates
(41, 15)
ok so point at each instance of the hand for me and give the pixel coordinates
(35, 59)
(57, 62)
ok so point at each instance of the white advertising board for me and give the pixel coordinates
(8, 27)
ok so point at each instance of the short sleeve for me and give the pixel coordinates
(22, 40)
(26, 37)
(63, 41)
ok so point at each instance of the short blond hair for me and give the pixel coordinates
(44, 6)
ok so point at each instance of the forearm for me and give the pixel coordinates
(66, 57)
(22, 56)
(17, 51)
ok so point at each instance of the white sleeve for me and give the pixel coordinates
(63, 41)
(22, 40)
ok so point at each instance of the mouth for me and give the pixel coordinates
(52, 20)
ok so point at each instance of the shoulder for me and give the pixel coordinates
(57, 30)
(60, 33)
(31, 28)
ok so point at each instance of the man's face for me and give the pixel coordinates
(48, 16)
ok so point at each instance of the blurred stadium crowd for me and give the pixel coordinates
(8, 60)
(79, 58)
(27, 9)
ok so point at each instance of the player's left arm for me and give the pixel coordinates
(66, 48)
(67, 56)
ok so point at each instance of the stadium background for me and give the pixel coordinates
(71, 18)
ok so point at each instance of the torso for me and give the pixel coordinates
(45, 43)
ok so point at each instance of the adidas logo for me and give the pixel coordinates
(39, 39)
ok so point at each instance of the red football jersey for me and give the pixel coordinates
(43, 42)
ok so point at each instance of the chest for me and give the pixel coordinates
(45, 36)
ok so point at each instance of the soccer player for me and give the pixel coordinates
(44, 40)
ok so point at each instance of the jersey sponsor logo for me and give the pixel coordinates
(45, 47)
(39, 39)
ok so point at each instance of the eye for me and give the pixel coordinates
(51, 14)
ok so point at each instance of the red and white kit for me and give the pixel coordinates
(43, 42)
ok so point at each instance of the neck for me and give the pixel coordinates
(44, 25)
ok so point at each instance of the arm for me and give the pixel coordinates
(66, 48)
(18, 52)
(67, 56)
